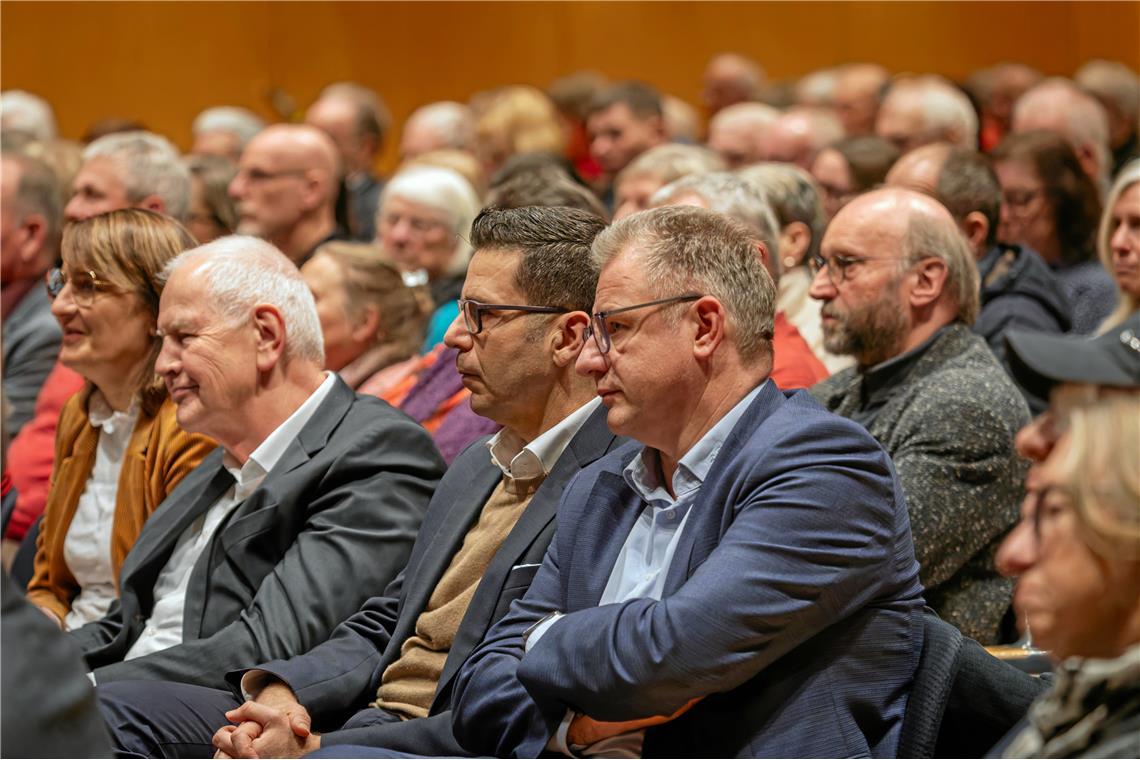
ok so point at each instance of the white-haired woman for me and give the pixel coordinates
(1118, 242)
(422, 225)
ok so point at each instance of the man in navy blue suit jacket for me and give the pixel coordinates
(740, 582)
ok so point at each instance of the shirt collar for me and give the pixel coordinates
(643, 473)
(524, 461)
(884, 378)
(101, 415)
(265, 457)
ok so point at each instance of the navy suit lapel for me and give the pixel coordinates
(613, 508)
(709, 519)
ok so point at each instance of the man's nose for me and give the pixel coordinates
(590, 360)
(822, 288)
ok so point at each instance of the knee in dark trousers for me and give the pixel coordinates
(163, 719)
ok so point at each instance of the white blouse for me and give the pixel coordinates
(87, 548)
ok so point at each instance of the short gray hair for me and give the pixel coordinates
(444, 190)
(241, 122)
(241, 272)
(27, 113)
(151, 166)
(690, 249)
(450, 120)
(1085, 122)
(944, 107)
(1113, 81)
(792, 194)
(672, 161)
(939, 237)
(38, 193)
(734, 196)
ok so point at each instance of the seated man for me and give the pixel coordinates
(487, 527)
(900, 293)
(749, 562)
(309, 505)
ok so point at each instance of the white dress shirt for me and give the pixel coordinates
(87, 546)
(164, 627)
(524, 461)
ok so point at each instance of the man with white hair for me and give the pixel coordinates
(445, 125)
(730, 78)
(799, 134)
(224, 131)
(816, 89)
(1057, 105)
(130, 170)
(358, 121)
(24, 112)
(286, 187)
(1118, 89)
(737, 132)
(309, 505)
(924, 110)
(900, 293)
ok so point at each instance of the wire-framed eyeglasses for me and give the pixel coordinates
(601, 331)
(85, 285)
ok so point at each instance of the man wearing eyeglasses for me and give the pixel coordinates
(390, 667)
(740, 583)
(286, 188)
(900, 293)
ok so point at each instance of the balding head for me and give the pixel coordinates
(1056, 105)
(356, 119)
(926, 110)
(1118, 89)
(858, 90)
(738, 132)
(286, 186)
(730, 78)
(798, 135)
(897, 270)
(919, 169)
(437, 126)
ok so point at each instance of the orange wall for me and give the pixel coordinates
(163, 62)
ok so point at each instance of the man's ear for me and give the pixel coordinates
(152, 203)
(28, 244)
(930, 282)
(567, 339)
(366, 325)
(318, 188)
(270, 327)
(977, 229)
(712, 325)
(795, 238)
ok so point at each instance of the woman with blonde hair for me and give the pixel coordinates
(119, 450)
(372, 322)
(517, 119)
(1118, 242)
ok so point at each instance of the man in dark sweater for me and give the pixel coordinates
(900, 293)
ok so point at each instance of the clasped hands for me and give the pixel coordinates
(275, 725)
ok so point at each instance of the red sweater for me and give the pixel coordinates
(794, 365)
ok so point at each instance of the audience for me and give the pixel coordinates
(437, 126)
(212, 213)
(1051, 206)
(730, 596)
(518, 119)
(656, 168)
(730, 78)
(793, 363)
(484, 535)
(927, 388)
(28, 114)
(119, 451)
(358, 121)
(798, 136)
(1057, 105)
(849, 167)
(224, 131)
(1118, 243)
(285, 189)
(1118, 89)
(311, 486)
(624, 121)
(922, 110)
(994, 91)
(423, 227)
(682, 122)
(371, 321)
(739, 133)
(130, 169)
(858, 92)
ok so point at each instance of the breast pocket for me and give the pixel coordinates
(516, 584)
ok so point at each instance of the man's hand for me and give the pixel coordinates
(276, 725)
(585, 731)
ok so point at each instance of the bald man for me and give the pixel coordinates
(858, 92)
(445, 125)
(1057, 105)
(900, 293)
(286, 187)
(798, 135)
(738, 132)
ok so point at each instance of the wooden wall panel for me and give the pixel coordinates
(163, 62)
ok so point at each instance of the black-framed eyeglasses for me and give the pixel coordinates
(85, 285)
(601, 331)
(473, 312)
(838, 265)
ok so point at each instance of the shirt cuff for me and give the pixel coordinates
(91, 677)
(253, 682)
(559, 743)
(539, 630)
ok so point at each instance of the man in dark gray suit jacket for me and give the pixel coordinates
(743, 583)
(29, 243)
(389, 669)
(309, 506)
